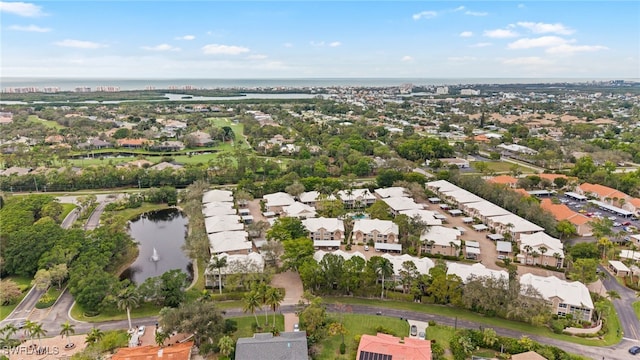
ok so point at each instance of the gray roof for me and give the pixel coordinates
(264, 346)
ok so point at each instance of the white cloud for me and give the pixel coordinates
(521, 6)
(30, 28)
(335, 44)
(570, 49)
(459, 8)
(500, 33)
(80, 44)
(407, 58)
(466, 34)
(257, 57)
(186, 37)
(544, 28)
(543, 41)
(316, 43)
(217, 49)
(528, 61)
(21, 9)
(476, 13)
(161, 47)
(287, 45)
(480, 45)
(424, 15)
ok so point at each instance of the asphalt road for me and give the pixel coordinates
(28, 303)
(624, 307)
(94, 218)
(70, 219)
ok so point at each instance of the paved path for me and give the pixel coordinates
(624, 306)
(94, 218)
(292, 284)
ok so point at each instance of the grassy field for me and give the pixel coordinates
(244, 324)
(24, 284)
(636, 308)
(131, 214)
(502, 167)
(356, 325)
(113, 313)
(47, 123)
(66, 209)
(611, 338)
(441, 334)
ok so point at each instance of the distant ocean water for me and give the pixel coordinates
(67, 84)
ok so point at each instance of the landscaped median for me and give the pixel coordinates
(612, 336)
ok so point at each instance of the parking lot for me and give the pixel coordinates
(629, 224)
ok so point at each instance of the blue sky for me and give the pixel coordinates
(305, 39)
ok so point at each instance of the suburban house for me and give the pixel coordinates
(540, 248)
(461, 163)
(441, 240)
(383, 233)
(201, 138)
(399, 204)
(563, 212)
(565, 297)
(483, 210)
(466, 272)
(320, 254)
(504, 249)
(603, 193)
(423, 265)
(387, 347)
(275, 202)
(619, 268)
(133, 143)
(230, 242)
(252, 263)
(299, 210)
(325, 232)
(178, 351)
(265, 346)
(356, 198)
(94, 143)
(170, 145)
(166, 165)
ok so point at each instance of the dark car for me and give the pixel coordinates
(414, 330)
(634, 350)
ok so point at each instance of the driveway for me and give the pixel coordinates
(292, 284)
(624, 306)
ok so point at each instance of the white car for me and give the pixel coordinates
(366, 248)
(296, 327)
(141, 330)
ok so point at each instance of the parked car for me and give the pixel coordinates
(366, 248)
(414, 330)
(296, 327)
(626, 223)
(612, 218)
(141, 330)
(615, 224)
(634, 350)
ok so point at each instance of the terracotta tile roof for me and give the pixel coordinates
(522, 191)
(529, 355)
(552, 177)
(635, 202)
(563, 212)
(150, 352)
(132, 142)
(503, 179)
(602, 191)
(411, 349)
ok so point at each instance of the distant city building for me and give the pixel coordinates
(108, 89)
(82, 89)
(442, 90)
(469, 92)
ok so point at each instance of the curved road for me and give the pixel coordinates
(624, 306)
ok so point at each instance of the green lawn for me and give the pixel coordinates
(113, 313)
(47, 123)
(441, 334)
(503, 167)
(636, 308)
(357, 325)
(24, 283)
(130, 214)
(611, 338)
(66, 209)
(244, 324)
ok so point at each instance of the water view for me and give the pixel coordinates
(160, 235)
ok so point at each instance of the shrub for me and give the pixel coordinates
(343, 348)
(432, 323)
(384, 330)
(45, 301)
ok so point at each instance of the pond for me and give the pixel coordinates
(160, 235)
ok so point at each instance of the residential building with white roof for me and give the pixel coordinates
(441, 240)
(311, 198)
(390, 192)
(216, 208)
(299, 210)
(250, 263)
(441, 186)
(483, 210)
(565, 297)
(423, 265)
(217, 195)
(398, 204)
(466, 272)
(356, 197)
(230, 242)
(319, 255)
(549, 250)
(221, 223)
(426, 216)
(276, 201)
(380, 232)
(513, 224)
(325, 232)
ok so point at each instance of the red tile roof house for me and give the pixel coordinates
(383, 346)
(133, 143)
(180, 351)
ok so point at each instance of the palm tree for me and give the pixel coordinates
(557, 256)
(274, 299)
(605, 244)
(251, 303)
(226, 345)
(218, 263)
(543, 250)
(38, 331)
(535, 255)
(127, 299)
(612, 294)
(28, 330)
(94, 336)
(7, 332)
(160, 337)
(67, 330)
(384, 268)
(527, 249)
